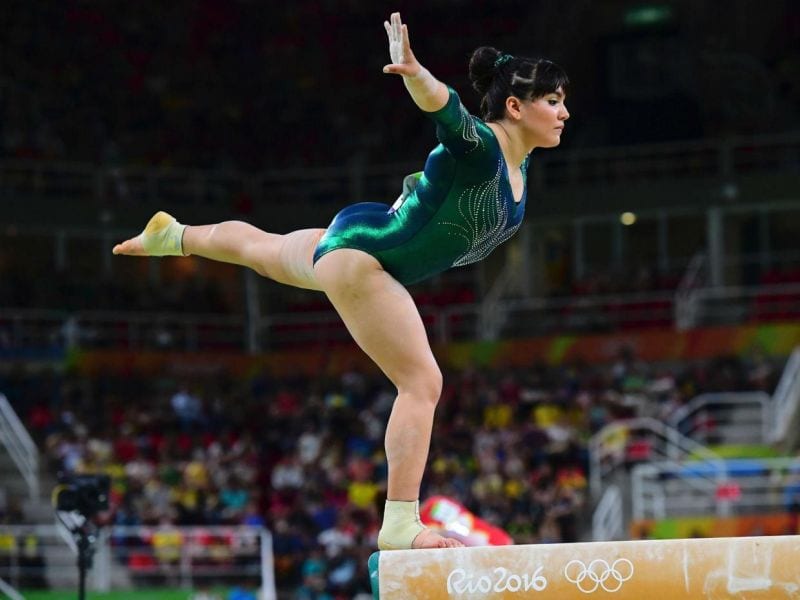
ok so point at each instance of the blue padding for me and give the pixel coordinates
(372, 565)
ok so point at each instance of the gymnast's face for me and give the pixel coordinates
(543, 119)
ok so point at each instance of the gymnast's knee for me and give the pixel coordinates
(425, 386)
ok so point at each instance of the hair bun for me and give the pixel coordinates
(482, 68)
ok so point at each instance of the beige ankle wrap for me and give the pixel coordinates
(163, 236)
(401, 525)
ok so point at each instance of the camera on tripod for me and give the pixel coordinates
(84, 494)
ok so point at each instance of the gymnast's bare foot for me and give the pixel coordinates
(428, 538)
(162, 236)
(131, 247)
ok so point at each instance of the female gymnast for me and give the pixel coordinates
(469, 199)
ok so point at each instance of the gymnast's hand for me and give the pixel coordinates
(403, 60)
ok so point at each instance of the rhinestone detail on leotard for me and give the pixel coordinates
(484, 220)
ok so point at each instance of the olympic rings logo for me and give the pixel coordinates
(599, 574)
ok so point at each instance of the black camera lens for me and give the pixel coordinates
(85, 494)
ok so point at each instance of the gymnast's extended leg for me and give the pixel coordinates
(285, 258)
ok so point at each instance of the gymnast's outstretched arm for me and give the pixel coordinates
(428, 93)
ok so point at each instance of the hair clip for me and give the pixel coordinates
(502, 59)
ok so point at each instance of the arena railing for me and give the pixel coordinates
(609, 449)
(137, 557)
(59, 329)
(608, 520)
(725, 418)
(516, 317)
(679, 469)
(20, 446)
(162, 186)
(785, 403)
(9, 591)
(519, 317)
(143, 185)
(722, 305)
(186, 331)
(702, 158)
(685, 301)
(738, 487)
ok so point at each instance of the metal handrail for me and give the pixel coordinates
(10, 591)
(764, 487)
(786, 398)
(128, 327)
(20, 446)
(740, 291)
(685, 295)
(728, 399)
(491, 317)
(109, 572)
(678, 447)
(607, 520)
(61, 328)
(153, 184)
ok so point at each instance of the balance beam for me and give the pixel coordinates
(744, 567)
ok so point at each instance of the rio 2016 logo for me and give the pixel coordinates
(598, 574)
(501, 580)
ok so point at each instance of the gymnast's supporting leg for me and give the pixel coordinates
(285, 258)
(383, 319)
(380, 315)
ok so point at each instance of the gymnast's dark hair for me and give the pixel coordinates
(496, 76)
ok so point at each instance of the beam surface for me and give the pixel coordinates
(715, 568)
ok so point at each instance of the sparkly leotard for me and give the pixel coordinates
(454, 213)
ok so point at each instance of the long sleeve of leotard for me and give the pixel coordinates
(456, 128)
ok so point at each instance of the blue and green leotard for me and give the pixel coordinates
(454, 213)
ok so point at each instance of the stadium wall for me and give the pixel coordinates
(655, 345)
(706, 526)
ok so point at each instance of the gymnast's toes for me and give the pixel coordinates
(428, 538)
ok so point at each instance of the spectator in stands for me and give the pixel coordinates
(234, 499)
(288, 474)
(31, 562)
(41, 420)
(338, 538)
(252, 516)
(314, 583)
(371, 251)
(290, 546)
(167, 542)
(188, 408)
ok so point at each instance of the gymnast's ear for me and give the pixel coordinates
(513, 107)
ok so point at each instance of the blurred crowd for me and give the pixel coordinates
(207, 84)
(218, 84)
(69, 291)
(304, 456)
